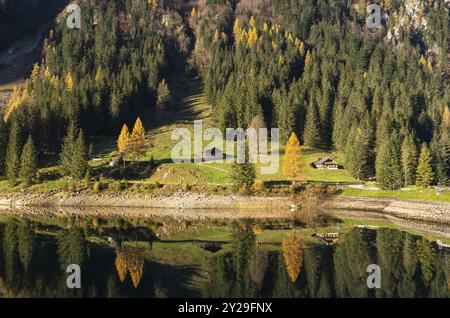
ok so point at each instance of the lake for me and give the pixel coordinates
(165, 256)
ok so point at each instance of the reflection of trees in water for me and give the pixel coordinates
(130, 260)
(410, 265)
(293, 255)
(45, 256)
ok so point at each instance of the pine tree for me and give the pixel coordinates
(67, 150)
(359, 154)
(293, 166)
(440, 148)
(409, 159)
(164, 97)
(79, 161)
(388, 166)
(312, 128)
(28, 162)
(425, 174)
(13, 154)
(90, 151)
(123, 143)
(243, 174)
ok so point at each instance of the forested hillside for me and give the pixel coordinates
(315, 69)
(379, 96)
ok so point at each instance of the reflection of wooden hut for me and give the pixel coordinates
(328, 238)
(326, 163)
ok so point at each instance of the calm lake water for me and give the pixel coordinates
(171, 258)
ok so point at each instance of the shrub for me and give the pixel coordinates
(186, 187)
(120, 186)
(259, 186)
(97, 187)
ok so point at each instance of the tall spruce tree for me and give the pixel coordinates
(409, 159)
(359, 154)
(13, 154)
(67, 149)
(425, 174)
(28, 162)
(79, 161)
(243, 174)
(388, 166)
(312, 128)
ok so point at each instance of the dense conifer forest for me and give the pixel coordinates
(379, 96)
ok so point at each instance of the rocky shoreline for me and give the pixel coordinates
(224, 206)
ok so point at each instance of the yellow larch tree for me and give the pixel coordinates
(302, 49)
(137, 139)
(293, 255)
(252, 37)
(123, 142)
(252, 22)
(293, 167)
(446, 117)
(216, 36)
(69, 82)
(308, 58)
(423, 61)
(237, 32)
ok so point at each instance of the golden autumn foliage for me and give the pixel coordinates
(124, 140)
(293, 167)
(135, 267)
(302, 49)
(252, 37)
(138, 134)
(130, 260)
(216, 36)
(69, 82)
(308, 58)
(47, 73)
(137, 139)
(35, 73)
(293, 256)
(236, 28)
(121, 265)
(19, 95)
(423, 61)
(252, 22)
(153, 4)
(446, 117)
